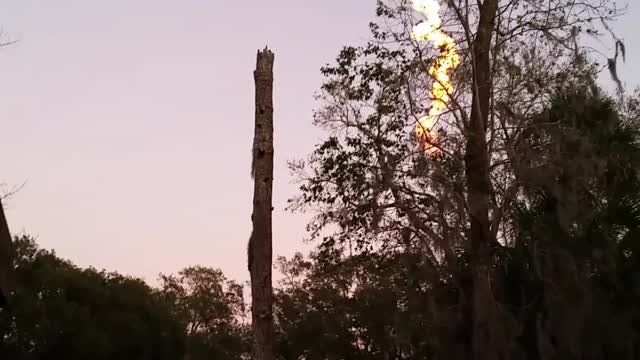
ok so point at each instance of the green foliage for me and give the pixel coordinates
(210, 308)
(577, 249)
(356, 307)
(61, 311)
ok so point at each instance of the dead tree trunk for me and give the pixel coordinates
(260, 252)
(6, 260)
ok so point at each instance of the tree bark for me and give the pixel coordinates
(260, 242)
(6, 260)
(487, 331)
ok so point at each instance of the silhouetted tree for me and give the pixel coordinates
(210, 308)
(61, 311)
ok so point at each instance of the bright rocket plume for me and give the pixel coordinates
(431, 30)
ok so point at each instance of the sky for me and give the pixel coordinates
(130, 122)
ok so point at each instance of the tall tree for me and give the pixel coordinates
(486, 332)
(260, 242)
(384, 191)
(567, 284)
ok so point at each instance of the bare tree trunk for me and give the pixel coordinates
(6, 259)
(260, 252)
(487, 329)
(7, 280)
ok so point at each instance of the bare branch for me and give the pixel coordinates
(7, 193)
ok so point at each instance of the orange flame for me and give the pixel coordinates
(431, 30)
